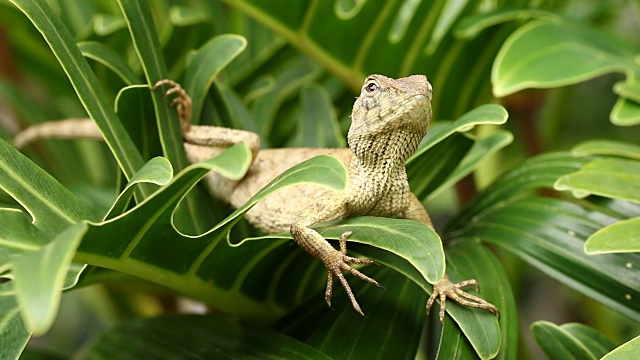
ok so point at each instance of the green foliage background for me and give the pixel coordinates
(126, 227)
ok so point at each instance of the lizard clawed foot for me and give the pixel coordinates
(182, 102)
(338, 261)
(446, 289)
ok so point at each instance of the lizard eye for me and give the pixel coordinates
(371, 87)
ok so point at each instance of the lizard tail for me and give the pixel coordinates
(83, 128)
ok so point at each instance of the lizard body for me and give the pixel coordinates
(389, 119)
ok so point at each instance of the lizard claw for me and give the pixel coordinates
(338, 261)
(447, 289)
(182, 102)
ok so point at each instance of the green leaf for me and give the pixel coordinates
(196, 337)
(319, 125)
(483, 335)
(84, 82)
(51, 206)
(557, 343)
(442, 154)
(134, 104)
(549, 234)
(479, 326)
(144, 242)
(419, 30)
(625, 351)
(38, 292)
(539, 172)
(392, 328)
(472, 25)
(484, 114)
(109, 58)
(37, 249)
(595, 341)
(625, 112)
(207, 63)
(544, 54)
(607, 147)
(157, 171)
(610, 177)
(416, 243)
(13, 330)
(147, 46)
(481, 149)
(623, 236)
(628, 89)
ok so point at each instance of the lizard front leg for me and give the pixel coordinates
(445, 288)
(327, 207)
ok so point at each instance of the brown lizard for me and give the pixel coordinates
(389, 119)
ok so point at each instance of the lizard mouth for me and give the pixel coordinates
(411, 111)
(407, 105)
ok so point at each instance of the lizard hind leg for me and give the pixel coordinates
(447, 289)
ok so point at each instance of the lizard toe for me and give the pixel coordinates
(447, 289)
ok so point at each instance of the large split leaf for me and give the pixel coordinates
(36, 250)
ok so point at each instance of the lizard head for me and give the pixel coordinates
(391, 113)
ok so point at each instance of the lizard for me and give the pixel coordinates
(388, 121)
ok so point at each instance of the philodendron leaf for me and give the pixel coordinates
(485, 114)
(109, 58)
(556, 52)
(479, 326)
(319, 126)
(544, 54)
(550, 235)
(40, 275)
(145, 243)
(625, 112)
(610, 177)
(207, 63)
(623, 236)
(37, 250)
(84, 82)
(51, 206)
(157, 171)
(570, 341)
(344, 334)
(607, 147)
(443, 149)
(13, 330)
(196, 337)
(626, 351)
